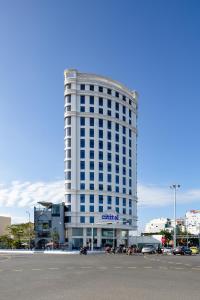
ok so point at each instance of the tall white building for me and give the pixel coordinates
(192, 220)
(156, 225)
(100, 117)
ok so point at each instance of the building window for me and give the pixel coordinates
(91, 220)
(109, 155)
(100, 176)
(91, 87)
(109, 207)
(91, 143)
(117, 106)
(68, 219)
(117, 137)
(117, 115)
(100, 166)
(117, 158)
(124, 170)
(82, 143)
(124, 160)
(91, 198)
(82, 219)
(117, 189)
(109, 125)
(68, 142)
(130, 133)
(117, 169)
(82, 131)
(117, 179)
(124, 98)
(101, 111)
(91, 121)
(91, 109)
(109, 200)
(124, 118)
(124, 211)
(124, 202)
(109, 188)
(91, 100)
(82, 121)
(68, 164)
(82, 186)
(82, 176)
(109, 91)
(117, 148)
(68, 108)
(67, 99)
(82, 108)
(117, 209)
(100, 101)
(124, 190)
(91, 132)
(68, 175)
(82, 153)
(68, 153)
(109, 135)
(91, 154)
(109, 113)
(82, 99)
(124, 140)
(101, 187)
(109, 177)
(82, 198)
(82, 164)
(100, 199)
(101, 155)
(109, 146)
(68, 131)
(92, 186)
(82, 208)
(124, 109)
(91, 176)
(100, 89)
(100, 208)
(91, 165)
(117, 94)
(68, 185)
(100, 122)
(109, 103)
(91, 208)
(130, 202)
(101, 134)
(117, 201)
(100, 144)
(68, 121)
(117, 127)
(124, 150)
(124, 181)
(82, 87)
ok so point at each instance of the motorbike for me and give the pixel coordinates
(83, 251)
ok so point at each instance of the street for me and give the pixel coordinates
(52, 277)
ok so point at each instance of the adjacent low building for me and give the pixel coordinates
(49, 224)
(4, 223)
(192, 220)
(156, 225)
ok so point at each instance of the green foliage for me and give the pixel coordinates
(167, 235)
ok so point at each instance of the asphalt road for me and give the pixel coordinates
(99, 277)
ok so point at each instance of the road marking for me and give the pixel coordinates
(86, 267)
(53, 268)
(170, 262)
(147, 267)
(117, 267)
(132, 267)
(35, 269)
(178, 263)
(179, 268)
(17, 270)
(102, 268)
(187, 265)
(197, 269)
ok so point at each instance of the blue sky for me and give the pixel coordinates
(151, 46)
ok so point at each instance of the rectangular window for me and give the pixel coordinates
(109, 146)
(101, 155)
(91, 176)
(124, 181)
(100, 199)
(82, 99)
(117, 209)
(109, 135)
(101, 187)
(68, 164)
(82, 219)
(82, 208)
(100, 101)
(124, 130)
(100, 144)
(130, 163)
(91, 132)
(109, 125)
(117, 189)
(92, 186)
(109, 113)
(91, 220)
(68, 142)
(117, 201)
(68, 175)
(109, 103)
(124, 109)
(109, 167)
(124, 118)
(100, 166)
(124, 170)
(91, 109)
(82, 108)
(82, 121)
(68, 219)
(101, 111)
(91, 87)
(82, 198)
(117, 127)
(91, 208)
(130, 143)
(68, 153)
(124, 140)
(117, 158)
(100, 89)
(91, 100)
(117, 137)
(91, 198)
(100, 176)
(130, 113)
(109, 177)
(91, 143)
(82, 153)
(68, 131)
(101, 134)
(100, 208)
(91, 121)
(82, 176)
(109, 155)
(109, 92)
(82, 186)
(91, 154)
(68, 108)
(82, 133)
(109, 200)
(117, 94)
(117, 106)
(117, 148)
(124, 150)
(124, 98)
(82, 143)
(82, 87)
(130, 133)
(117, 179)
(117, 168)
(124, 160)
(82, 164)
(68, 121)
(100, 122)
(124, 211)
(109, 188)
(117, 115)
(91, 165)
(130, 153)
(130, 203)
(124, 202)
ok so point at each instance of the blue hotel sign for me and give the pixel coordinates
(110, 217)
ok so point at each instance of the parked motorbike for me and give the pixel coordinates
(83, 251)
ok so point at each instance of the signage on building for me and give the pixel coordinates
(110, 217)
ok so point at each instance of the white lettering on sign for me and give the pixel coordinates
(110, 217)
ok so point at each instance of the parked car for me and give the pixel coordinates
(148, 249)
(194, 250)
(182, 250)
(167, 250)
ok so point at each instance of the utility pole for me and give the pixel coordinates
(29, 224)
(175, 187)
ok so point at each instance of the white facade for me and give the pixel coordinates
(100, 159)
(192, 220)
(156, 225)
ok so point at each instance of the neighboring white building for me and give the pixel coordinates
(156, 225)
(192, 220)
(100, 117)
(4, 223)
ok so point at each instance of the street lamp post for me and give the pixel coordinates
(29, 229)
(175, 187)
(92, 240)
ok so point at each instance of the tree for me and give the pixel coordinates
(167, 235)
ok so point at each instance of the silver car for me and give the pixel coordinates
(148, 249)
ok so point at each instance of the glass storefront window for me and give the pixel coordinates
(77, 231)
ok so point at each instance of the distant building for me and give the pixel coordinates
(49, 224)
(156, 225)
(192, 220)
(4, 223)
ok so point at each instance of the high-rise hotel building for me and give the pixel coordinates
(100, 131)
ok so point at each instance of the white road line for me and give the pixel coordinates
(117, 267)
(102, 268)
(187, 265)
(17, 270)
(147, 267)
(86, 267)
(179, 268)
(178, 263)
(132, 267)
(36, 269)
(53, 268)
(197, 269)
